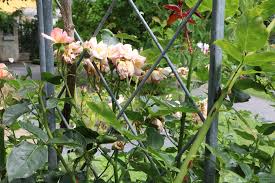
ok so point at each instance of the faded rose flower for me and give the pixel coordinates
(183, 71)
(71, 52)
(120, 52)
(159, 75)
(203, 108)
(104, 68)
(118, 145)
(125, 69)
(58, 36)
(100, 51)
(4, 73)
(90, 45)
(165, 71)
(138, 62)
(158, 124)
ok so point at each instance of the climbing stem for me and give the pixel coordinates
(2, 153)
(205, 127)
(2, 141)
(190, 67)
(273, 165)
(50, 135)
(183, 117)
(115, 167)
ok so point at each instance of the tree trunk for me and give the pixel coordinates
(66, 11)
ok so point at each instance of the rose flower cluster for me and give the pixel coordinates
(125, 60)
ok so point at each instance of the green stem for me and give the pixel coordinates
(115, 167)
(2, 153)
(50, 135)
(273, 165)
(205, 127)
(183, 118)
(2, 141)
(190, 67)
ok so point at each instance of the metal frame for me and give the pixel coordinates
(215, 65)
(217, 32)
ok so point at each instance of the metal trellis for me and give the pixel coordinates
(217, 33)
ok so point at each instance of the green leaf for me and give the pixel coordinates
(229, 176)
(231, 6)
(230, 49)
(246, 170)
(154, 139)
(34, 130)
(13, 112)
(163, 107)
(266, 178)
(251, 33)
(25, 159)
(266, 8)
(244, 135)
(49, 77)
(106, 139)
(87, 132)
(127, 37)
(259, 59)
(151, 55)
(266, 129)
(206, 5)
(70, 138)
(103, 110)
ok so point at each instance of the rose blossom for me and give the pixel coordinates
(91, 70)
(183, 71)
(58, 36)
(71, 52)
(138, 62)
(125, 69)
(159, 75)
(100, 51)
(90, 45)
(4, 73)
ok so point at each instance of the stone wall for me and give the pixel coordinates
(9, 45)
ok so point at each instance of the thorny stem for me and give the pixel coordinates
(205, 127)
(50, 135)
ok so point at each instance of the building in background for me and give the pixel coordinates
(18, 32)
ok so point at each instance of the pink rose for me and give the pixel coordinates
(4, 73)
(59, 36)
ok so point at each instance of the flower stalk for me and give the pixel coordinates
(205, 127)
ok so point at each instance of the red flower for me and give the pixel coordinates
(177, 13)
